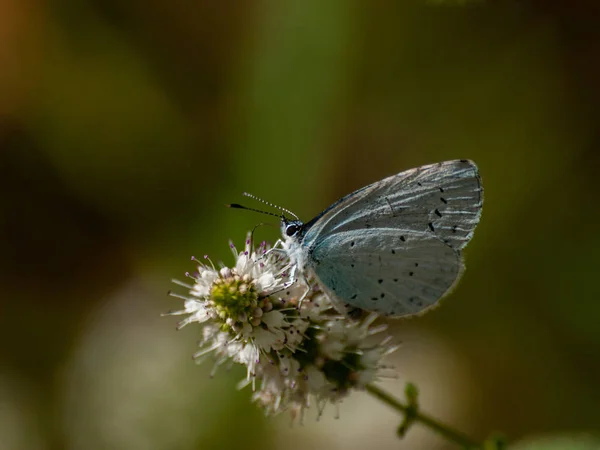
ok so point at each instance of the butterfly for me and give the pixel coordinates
(393, 247)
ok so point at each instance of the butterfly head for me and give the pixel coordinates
(292, 234)
(290, 229)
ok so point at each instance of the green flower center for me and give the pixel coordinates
(234, 297)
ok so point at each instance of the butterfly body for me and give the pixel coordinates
(393, 247)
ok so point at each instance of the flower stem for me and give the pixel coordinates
(412, 414)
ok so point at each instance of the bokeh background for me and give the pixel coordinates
(126, 126)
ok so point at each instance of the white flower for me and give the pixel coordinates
(250, 316)
(334, 358)
(235, 308)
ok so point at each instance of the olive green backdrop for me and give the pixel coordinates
(126, 126)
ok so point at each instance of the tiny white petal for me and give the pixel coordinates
(315, 379)
(247, 330)
(274, 319)
(265, 339)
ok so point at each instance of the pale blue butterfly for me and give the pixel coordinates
(393, 247)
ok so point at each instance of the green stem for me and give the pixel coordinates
(417, 416)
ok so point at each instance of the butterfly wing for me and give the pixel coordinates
(376, 271)
(442, 199)
(398, 240)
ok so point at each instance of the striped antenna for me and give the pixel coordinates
(238, 206)
(246, 194)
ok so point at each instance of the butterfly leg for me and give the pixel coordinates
(303, 296)
(275, 248)
(292, 275)
(294, 279)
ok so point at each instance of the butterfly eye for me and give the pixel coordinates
(291, 229)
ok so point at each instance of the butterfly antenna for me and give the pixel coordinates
(238, 206)
(246, 194)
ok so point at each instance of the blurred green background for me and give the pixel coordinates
(125, 127)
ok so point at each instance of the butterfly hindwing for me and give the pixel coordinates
(376, 271)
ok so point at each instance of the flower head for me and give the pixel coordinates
(250, 315)
(334, 357)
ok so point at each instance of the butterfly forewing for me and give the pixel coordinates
(442, 199)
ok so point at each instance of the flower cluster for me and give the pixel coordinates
(293, 353)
